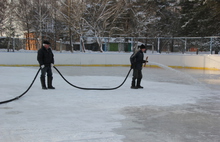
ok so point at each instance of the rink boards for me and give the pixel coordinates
(203, 61)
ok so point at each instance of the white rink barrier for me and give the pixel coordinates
(202, 61)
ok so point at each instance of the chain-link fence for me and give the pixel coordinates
(209, 45)
(154, 45)
(13, 44)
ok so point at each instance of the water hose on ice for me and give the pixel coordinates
(94, 88)
(16, 98)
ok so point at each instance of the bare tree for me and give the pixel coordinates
(23, 12)
(72, 14)
(9, 25)
(42, 21)
(56, 29)
(3, 8)
(97, 16)
(101, 15)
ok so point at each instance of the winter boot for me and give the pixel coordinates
(42, 80)
(133, 84)
(49, 82)
(138, 84)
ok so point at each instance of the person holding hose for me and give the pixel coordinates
(45, 58)
(137, 61)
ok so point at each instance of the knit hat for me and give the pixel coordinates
(142, 46)
(46, 42)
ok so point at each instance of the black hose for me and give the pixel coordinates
(16, 98)
(93, 88)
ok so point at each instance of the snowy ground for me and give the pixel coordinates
(174, 106)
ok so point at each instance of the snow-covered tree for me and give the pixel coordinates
(200, 18)
(143, 16)
(102, 16)
(71, 13)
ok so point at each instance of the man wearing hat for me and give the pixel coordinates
(136, 64)
(45, 58)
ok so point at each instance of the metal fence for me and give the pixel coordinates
(12, 44)
(210, 45)
(156, 44)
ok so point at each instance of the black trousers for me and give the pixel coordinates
(47, 70)
(137, 74)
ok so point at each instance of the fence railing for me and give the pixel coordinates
(156, 44)
(208, 45)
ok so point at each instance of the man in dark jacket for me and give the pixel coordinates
(45, 58)
(136, 64)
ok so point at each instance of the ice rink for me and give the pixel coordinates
(176, 105)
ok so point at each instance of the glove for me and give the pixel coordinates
(42, 66)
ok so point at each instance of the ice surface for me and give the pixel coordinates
(67, 114)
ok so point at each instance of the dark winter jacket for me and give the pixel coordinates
(137, 60)
(45, 56)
